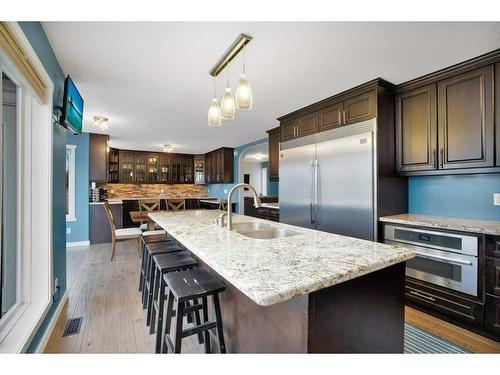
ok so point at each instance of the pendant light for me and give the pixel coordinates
(243, 90)
(227, 105)
(214, 113)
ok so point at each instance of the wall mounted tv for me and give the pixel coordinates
(72, 110)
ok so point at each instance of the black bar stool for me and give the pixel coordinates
(162, 264)
(152, 249)
(188, 286)
(145, 241)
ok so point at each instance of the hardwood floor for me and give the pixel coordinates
(105, 295)
(450, 332)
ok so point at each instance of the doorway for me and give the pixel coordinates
(253, 169)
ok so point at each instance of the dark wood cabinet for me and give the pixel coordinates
(100, 231)
(330, 117)
(164, 175)
(127, 166)
(492, 276)
(360, 108)
(288, 130)
(493, 246)
(187, 170)
(219, 166)
(416, 129)
(113, 165)
(274, 150)
(497, 112)
(492, 315)
(140, 167)
(307, 125)
(98, 157)
(466, 120)
(152, 168)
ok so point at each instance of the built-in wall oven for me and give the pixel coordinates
(445, 259)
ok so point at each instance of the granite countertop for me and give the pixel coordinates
(110, 201)
(162, 197)
(448, 223)
(274, 205)
(277, 270)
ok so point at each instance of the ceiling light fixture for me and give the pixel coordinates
(228, 104)
(214, 114)
(168, 147)
(101, 122)
(243, 90)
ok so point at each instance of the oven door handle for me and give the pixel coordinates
(456, 261)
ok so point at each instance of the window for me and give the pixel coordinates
(70, 182)
(8, 196)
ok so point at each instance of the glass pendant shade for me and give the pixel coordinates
(214, 114)
(243, 94)
(227, 105)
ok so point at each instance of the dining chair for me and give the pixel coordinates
(149, 205)
(119, 235)
(176, 204)
(223, 205)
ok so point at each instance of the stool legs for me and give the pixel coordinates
(159, 328)
(168, 320)
(218, 319)
(178, 326)
(205, 320)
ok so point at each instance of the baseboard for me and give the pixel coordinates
(77, 243)
(52, 324)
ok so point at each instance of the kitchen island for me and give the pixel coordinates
(310, 291)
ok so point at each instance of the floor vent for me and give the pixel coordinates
(72, 327)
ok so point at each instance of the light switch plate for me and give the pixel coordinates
(225, 191)
(496, 199)
(68, 230)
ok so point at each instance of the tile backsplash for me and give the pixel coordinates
(154, 190)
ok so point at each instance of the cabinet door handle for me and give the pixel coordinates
(343, 115)
(340, 118)
(441, 152)
(434, 158)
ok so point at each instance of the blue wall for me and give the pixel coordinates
(217, 190)
(80, 227)
(272, 186)
(38, 40)
(469, 196)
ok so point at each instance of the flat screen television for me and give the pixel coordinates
(72, 110)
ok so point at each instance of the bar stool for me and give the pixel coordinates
(162, 264)
(188, 286)
(152, 249)
(145, 255)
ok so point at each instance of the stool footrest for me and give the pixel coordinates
(200, 328)
(192, 308)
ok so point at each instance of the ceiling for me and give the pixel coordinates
(151, 79)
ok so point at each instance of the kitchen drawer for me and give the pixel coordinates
(493, 246)
(451, 305)
(492, 276)
(492, 314)
(262, 213)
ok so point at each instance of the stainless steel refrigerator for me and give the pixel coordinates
(327, 181)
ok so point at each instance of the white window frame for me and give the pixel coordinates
(71, 215)
(34, 266)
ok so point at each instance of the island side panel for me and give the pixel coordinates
(251, 328)
(363, 315)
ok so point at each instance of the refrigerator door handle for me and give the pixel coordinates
(311, 190)
(316, 204)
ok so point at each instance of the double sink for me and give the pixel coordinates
(261, 231)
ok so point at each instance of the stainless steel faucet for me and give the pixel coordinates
(256, 202)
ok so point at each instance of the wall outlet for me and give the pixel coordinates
(68, 230)
(225, 191)
(56, 285)
(161, 191)
(112, 191)
(496, 199)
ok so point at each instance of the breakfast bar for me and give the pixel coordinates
(295, 290)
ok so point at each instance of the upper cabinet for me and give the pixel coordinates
(465, 122)
(113, 165)
(445, 122)
(274, 150)
(416, 129)
(354, 106)
(98, 157)
(219, 166)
